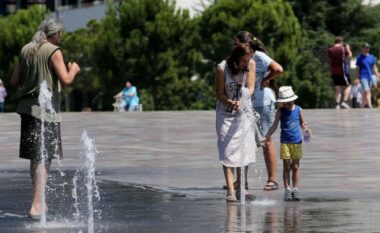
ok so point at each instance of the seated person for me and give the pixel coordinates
(130, 99)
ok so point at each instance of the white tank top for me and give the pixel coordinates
(232, 86)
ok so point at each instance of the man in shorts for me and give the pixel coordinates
(338, 53)
(366, 66)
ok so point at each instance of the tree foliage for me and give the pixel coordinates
(149, 43)
(16, 31)
(86, 91)
(271, 21)
(170, 57)
(321, 21)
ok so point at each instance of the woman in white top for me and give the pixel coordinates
(234, 80)
(264, 99)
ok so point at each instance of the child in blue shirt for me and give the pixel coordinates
(292, 123)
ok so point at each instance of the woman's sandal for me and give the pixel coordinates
(271, 185)
(231, 197)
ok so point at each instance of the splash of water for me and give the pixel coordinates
(264, 202)
(246, 117)
(47, 113)
(91, 185)
(44, 100)
(75, 197)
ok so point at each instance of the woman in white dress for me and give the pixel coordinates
(235, 80)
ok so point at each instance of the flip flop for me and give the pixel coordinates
(271, 185)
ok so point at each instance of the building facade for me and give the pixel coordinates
(10, 6)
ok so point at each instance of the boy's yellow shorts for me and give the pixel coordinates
(290, 151)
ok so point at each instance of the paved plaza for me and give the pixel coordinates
(159, 172)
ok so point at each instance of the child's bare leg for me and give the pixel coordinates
(295, 172)
(286, 172)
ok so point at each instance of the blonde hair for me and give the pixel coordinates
(48, 27)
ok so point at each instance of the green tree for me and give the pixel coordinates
(311, 81)
(86, 91)
(271, 21)
(16, 31)
(344, 17)
(151, 44)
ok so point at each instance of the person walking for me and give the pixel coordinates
(292, 121)
(339, 54)
(263, 100)
(3, 94)
(366, 66)
(234, 84)
(39, 61)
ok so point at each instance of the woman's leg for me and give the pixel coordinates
(39, 174)
(229, 176)
(267, 114)
(270, 160)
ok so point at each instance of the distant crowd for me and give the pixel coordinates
(364, 90)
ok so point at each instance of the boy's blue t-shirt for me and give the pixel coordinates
(365, 64)
(290, 125)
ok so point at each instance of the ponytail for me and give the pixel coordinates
(47, 28)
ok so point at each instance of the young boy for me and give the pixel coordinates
(356, 94)
(291, 118)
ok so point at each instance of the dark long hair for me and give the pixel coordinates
(236, 53)
(256, 44)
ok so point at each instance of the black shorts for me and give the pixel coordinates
(340, 80)
(31, 138)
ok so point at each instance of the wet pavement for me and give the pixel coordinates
(158, 172)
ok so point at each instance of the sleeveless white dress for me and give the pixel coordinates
(234, 129)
